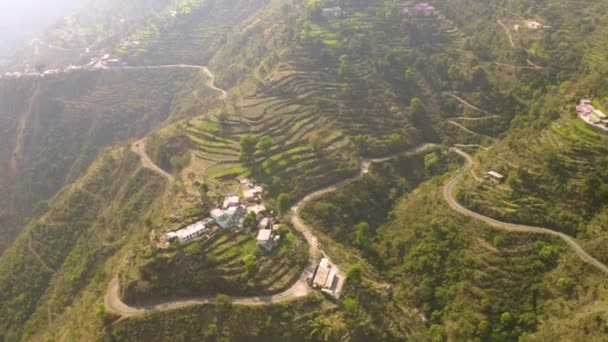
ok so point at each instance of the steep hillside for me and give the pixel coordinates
(188, 33)
(311, 98)
(65, 247)
(54, 127)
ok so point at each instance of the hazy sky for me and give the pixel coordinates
(21, 18)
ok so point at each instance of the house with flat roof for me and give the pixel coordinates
(188, 233)
(257, 209)
(230, 217)
(267, 239)
(324, 276)
(231, 201)
(495, 176)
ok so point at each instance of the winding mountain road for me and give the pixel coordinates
(139, 147)
(300, 288)
(448, 194)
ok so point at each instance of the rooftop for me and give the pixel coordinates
(264, 235)
(495, 174)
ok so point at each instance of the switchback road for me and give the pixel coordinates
(448, 194)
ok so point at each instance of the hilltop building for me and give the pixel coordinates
(324, 276)
(188, 233)
(495, 176)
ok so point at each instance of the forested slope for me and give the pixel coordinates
(54, 127)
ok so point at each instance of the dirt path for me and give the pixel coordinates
(508, 32)
(473, 145)
(298, 289)
(454, 123)
(520, 67)
(139, 147)
(30, 246)
(464, 102)
(466, 118)
(448, 194)
(535, 66)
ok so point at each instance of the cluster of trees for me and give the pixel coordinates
(251, 144)
(345, 215)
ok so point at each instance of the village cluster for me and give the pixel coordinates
(422, 9)
(530, 25)
(105, 61)
(592, 116)
(232, 214)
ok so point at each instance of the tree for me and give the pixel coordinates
(222, 118)
(344, 66)
(284, 203)
(355, 273)
(455, 73)
(351, 306)
(316, 141)
(362, 234)
(506, 319)
(251, 264)
(332, 328)
(248, 146)
(417, 110)
(346, 90)
(265, 144)
(313, 9)
(250, 220)
(483, 328)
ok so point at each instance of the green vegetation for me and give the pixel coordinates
(230, 263)
(63, 251)
(68, 120)
(309, 97)
(284, 203)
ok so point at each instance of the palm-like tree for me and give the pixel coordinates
(332, 328)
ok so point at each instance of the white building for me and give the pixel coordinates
(324, 275)
(257, 209)
(228, 218)
(188, 234)
(231, 201)
(252, 193)
(267, 239)
(496, 176)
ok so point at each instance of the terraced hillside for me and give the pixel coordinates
(561, 188)
(56, 126)
(312, 98)
(230, 264)
(190, 33)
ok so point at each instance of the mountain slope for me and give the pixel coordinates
(54, 127)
